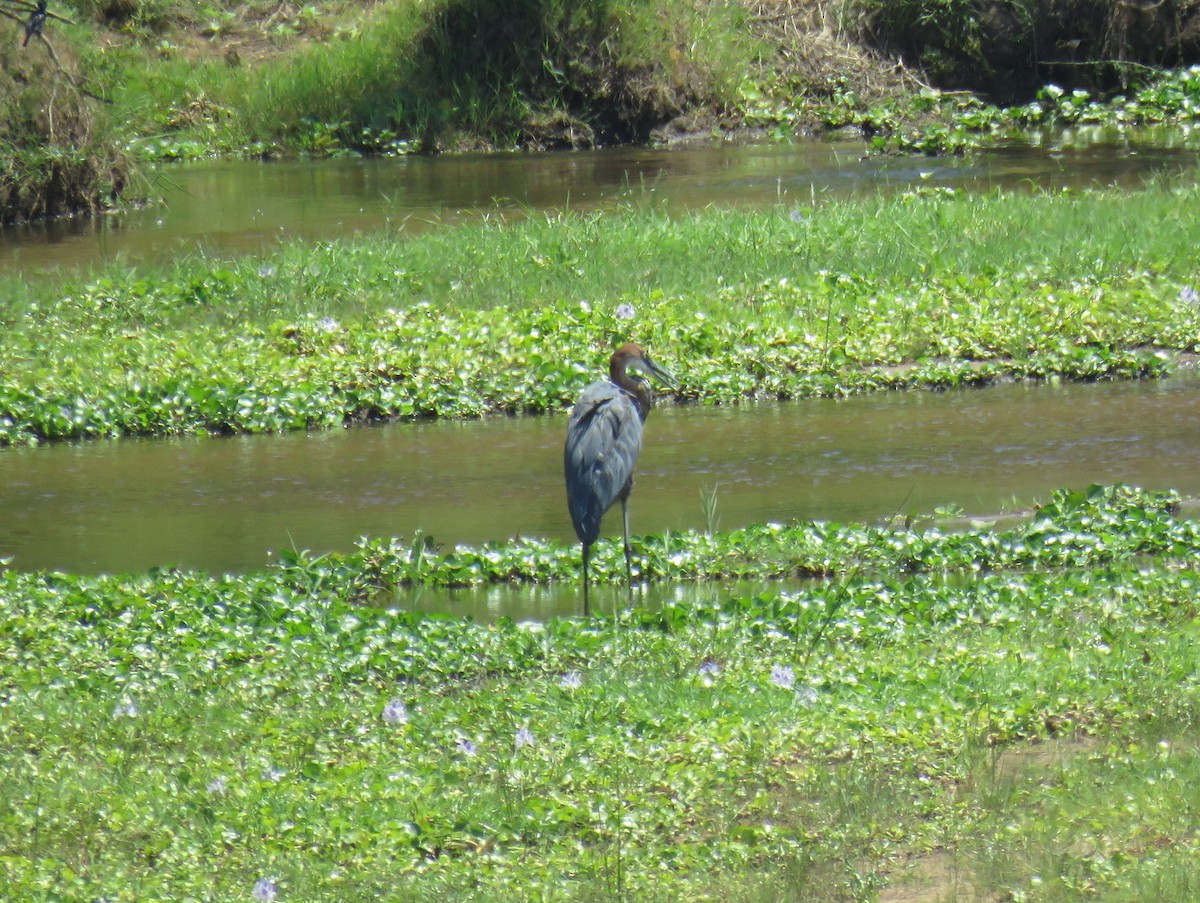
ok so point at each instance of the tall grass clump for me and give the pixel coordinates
(465, 73)
(364, 82)
(59, 154)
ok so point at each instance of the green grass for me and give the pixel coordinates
(907, 240)
(172, 734)
(928, 289)
(434, 75)
(402, 76)
(1105, 819)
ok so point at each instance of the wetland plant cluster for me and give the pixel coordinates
(497, 318)
(176, 735)
(1074, 529)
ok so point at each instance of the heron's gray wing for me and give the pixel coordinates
(604, 439)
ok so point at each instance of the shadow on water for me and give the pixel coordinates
(225, 504)
(224, 208)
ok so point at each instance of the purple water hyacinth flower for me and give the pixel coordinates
(265, 890)
(524, 738)
(395, 712)
(216, 786)
(708, 671)
(625, 312)
(783, 676)
(466, 747)
(266, 272)
(571, 681)
(1189, 295)
(797, 216)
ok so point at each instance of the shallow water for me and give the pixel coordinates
(225, 208)
(228, 504)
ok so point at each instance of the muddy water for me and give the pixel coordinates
(229, 504)
(226, 208)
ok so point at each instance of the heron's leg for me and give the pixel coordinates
(625, 524)
(586, 550)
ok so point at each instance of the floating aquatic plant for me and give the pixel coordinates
(706, 744)
(206, 347)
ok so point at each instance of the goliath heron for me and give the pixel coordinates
(604, 438)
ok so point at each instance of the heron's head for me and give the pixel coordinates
(634, 357)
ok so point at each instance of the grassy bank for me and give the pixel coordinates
(404, 78)
(158, 80)
(926, 289)
(60, 152)
(266, 78)
(175, 735)
(163, 79)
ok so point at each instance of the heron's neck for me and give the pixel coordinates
(635, 388)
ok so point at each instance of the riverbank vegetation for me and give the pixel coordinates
(60, 153)
(1019, 726)
(1074, 529)
(157, 80)
(926, 289)
(457, 76)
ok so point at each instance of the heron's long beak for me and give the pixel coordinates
(648, 366)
